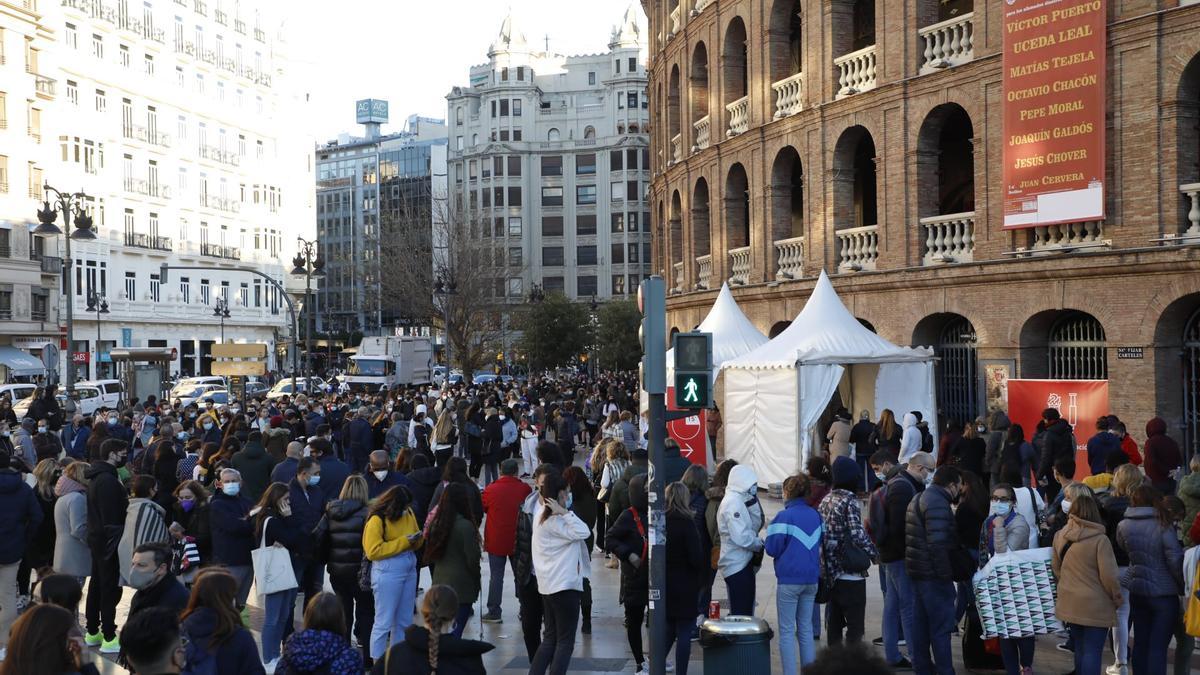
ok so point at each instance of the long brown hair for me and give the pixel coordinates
(325, 612)
(453, 503)
(216, 589)
(38, 642)
(438, 609)
(268, 506)
(1146, 495)
(887, 424)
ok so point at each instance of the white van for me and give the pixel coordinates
(111, 392)
(18, 390)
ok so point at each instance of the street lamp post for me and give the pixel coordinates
(71, 206)
(446, 287)
(308, 264)
(221, 311)
(594, 306)
(99, 304)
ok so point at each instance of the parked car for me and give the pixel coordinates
(484, 377)
(456, 377)
(194, 393)
(17, 390)
(111, 391)
(256, 389)
(189, 384)
(219, 397)
(284, 388)
(88, 399)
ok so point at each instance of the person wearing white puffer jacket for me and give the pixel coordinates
(739, 520)
(910, 441)
(562, 562)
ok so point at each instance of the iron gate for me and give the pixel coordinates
(1077, 348)
(1191, 386)
(957, 381)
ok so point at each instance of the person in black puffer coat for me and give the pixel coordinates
(627, 540)
(423, 481)
(340, 534)
(1058, 443)
(930, 538)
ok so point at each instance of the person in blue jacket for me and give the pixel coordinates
(794, 541)
(232, 531)
(20, 517)
(308, 505)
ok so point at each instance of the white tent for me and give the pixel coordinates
(733, 334)
(775, 394)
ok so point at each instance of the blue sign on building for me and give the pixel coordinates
(126, 337)
(370, 110)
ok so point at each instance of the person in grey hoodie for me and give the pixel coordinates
(739, 520)
(998, 426)
(1155, 578)
(24, 450)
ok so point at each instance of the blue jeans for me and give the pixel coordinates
(897, 609)
(278, 618)
(461, 617)
(496, 580)
(394, 584)
(1154, 620)
(933, 621)
(794, 603)
(679, 633)
(1017, 654)
(1089, 644)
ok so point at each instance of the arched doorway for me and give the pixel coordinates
(856, 210)
(867, 324)
(1191, 385)
(777, 328)
(957, 370)
(698, 93)
(1064, 344)
(735, 77)
(673, 116)
(701, 239)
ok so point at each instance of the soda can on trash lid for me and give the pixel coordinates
(714, 609)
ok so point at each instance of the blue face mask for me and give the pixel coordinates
(1001, 508)
(313, 480)
(231, 489)
(570, 499)
(183, 435)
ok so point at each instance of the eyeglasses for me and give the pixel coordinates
(1002, 499)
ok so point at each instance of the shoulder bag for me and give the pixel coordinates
(364, 567)
(272, 567)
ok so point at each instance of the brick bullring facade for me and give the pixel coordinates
(865, 138)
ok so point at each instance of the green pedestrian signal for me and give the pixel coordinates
(693, 370)
(692, 391)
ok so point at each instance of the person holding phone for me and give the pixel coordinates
(390, 538)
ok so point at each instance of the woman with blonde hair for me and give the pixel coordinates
(445, 436)
(887, 432)
(617, 460)
(595, 466)
(611, 428)
(432, 648)
(39, 553)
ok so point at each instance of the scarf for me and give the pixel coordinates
(67, 485)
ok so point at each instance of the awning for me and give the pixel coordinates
(21, 364)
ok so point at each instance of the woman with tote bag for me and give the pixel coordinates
(278, 535)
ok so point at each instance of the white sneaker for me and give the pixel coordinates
(269, 666)
(1117, 669)
(670, 666)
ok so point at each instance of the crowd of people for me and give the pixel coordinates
(192, 506)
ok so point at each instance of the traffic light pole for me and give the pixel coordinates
(652, 303)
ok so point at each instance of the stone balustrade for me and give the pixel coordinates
(788, 95)
(702, 127)
(1191, 192)
(789, 255)
(700, 5)
(739, 116)
(858, 248)
(949, 238)
(677, 271)
(739, 266)
(1067, 235)
(856, 72)
(948, 43)
(675, 17)
(704, 272)
(677, 148)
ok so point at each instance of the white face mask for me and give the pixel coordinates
(380, 475)
(1066, 506)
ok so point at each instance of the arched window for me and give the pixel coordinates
(957, 384)
(1191, 384)
(735, 62)
(863, 24)
(737, 207)
(701, 246)
(1077, 348)
(589, 132)
(552, 135)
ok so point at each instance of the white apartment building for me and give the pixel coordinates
(176, 117)
(551, 154)
(28, 283)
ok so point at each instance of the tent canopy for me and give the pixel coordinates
(776, 394)
(733, 334)
(825, 332)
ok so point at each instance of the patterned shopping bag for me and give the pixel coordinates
(1015, 594)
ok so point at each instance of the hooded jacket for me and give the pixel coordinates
(560, 556)
(341, 534)
(624, 539)
(71, 553)
(1099, 447)
(794, 541)
(929, 536)
(1161, 452)
(238, 654)
(1059, 443)
(841, 516)
(997, 429)
(910, 440)
(674, 464)
(255, 465)
(1155, 556)
(319, 651)
(1089, 590)
(423, 483)
(739, 519)
(106, 505)
(456, 656)
(20, 516)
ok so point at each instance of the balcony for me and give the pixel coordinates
(218, 251)
(201, 7)
(35, 133)
(858, 248)
(1067, 236)
(677, 272)
(154, 34)
(44, 86)
(704, 272)
(677, 148)
(788, 95)
(151, 137)
(675, 17)
(950, 238)
(263, 79)
(212, 152)
(856, 72)
(185, 47)
(221, 17)
(209, 56)
(51, 264)
(789, 256)
(147, 188)
(239, 26)
(739, 116)
(702, 129)
(151, 242)
(260, 35)
(739, 266)
(700, 5)
(220, 203)
(948, 43)
(1191, 192)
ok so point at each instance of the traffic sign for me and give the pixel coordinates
(692, 391)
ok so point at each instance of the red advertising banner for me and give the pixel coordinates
(1080, 402)
(1054, 67)
(691, 433)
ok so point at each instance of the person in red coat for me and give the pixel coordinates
(1161, 455)
(501, 503)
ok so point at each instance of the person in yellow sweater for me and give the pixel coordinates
(391, 538)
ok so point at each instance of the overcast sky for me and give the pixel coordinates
(411, 52)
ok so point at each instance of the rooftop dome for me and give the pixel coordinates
(511, 39)
(628, 33)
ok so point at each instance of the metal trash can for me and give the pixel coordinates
(736, 645)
